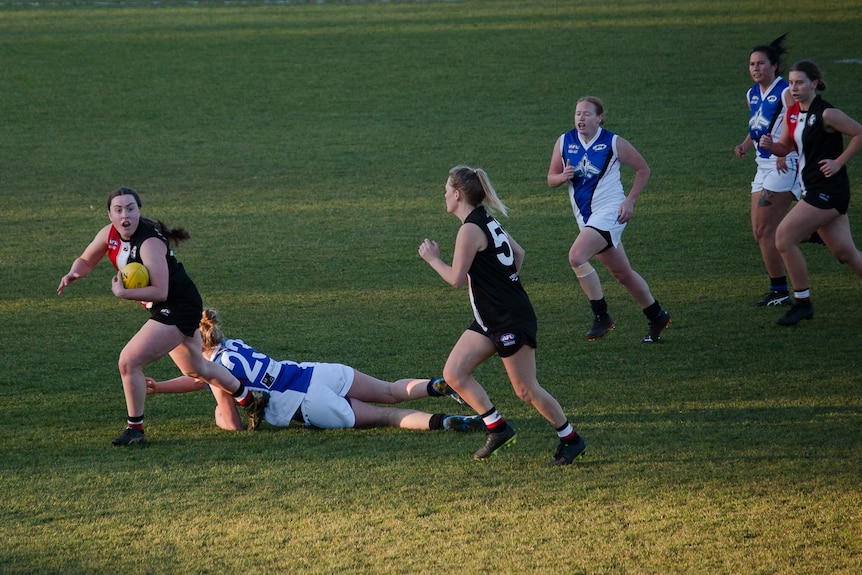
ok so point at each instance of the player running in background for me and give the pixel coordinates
(489, 260)
(322, 395)
(172, 299)
(816, 130)
(588, 159)
(775, 186)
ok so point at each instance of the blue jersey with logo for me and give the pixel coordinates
(596, 185)
(257, 370)
(766, 111)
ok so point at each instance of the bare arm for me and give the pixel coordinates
(85, 263)
(631, 157)
(182, 384)
(780, 148)
(841, 122)
(559, 174)
(519, 252)
(741, 149)
(469, 241)
(153, 252)
(226, 414)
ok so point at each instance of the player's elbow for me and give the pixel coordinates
(457, 282)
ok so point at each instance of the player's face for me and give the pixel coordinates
(451, 199)
(802, 88)
(587, 121)
(125, 215)
(761, 69)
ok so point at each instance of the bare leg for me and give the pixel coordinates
(368, 415)
(767, 210)
(371, 389)
(838, 238)
(470, 351)
(152, 342)
(188, 357)
(617, 262)
(798, 225)
(521, 369)
(586, 245)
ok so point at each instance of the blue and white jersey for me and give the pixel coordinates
(596, 188)
(286, 381)
(766, 109)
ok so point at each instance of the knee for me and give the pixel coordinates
(524, 392)
(783, 242)
(762, 232)
(128, 363)
(577, 260)
(454, 376)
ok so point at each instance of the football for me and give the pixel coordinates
(135, 276)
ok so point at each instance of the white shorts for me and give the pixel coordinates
(325, 405)
(606, 222)
(769, 178)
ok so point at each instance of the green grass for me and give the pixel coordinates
(305, 147)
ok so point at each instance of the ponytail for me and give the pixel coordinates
(476, 186)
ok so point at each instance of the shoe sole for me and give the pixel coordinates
(649, 339)
(791, 324)
(141, 442)
(595, 337)
(512, 440)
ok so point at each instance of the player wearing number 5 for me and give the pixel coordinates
(489, 260)
(588, 159)
(172, 298)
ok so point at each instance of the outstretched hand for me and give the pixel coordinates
(66, 280)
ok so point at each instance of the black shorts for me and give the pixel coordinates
(828, 200)
(605, 234)
(185, 314)
(507, 341)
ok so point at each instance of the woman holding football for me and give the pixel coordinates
(775, 186)
(489, 260)
(588, 159)
(172, 298)
(323, 395)
(815, 130)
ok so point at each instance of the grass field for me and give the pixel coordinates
(305, 146)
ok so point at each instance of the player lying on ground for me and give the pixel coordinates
(323, 395)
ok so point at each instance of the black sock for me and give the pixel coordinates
(599, 307)
(430, 388)
(437, 421)
(778, 284)
(654, 311)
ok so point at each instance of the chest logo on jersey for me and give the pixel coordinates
(600, 147)
(772, 99)
(585, 169)
(134, 253)
(811, 119)
(573, 148)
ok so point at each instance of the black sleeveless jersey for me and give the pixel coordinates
(496, 294)
(180, 285)
(817, 144)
